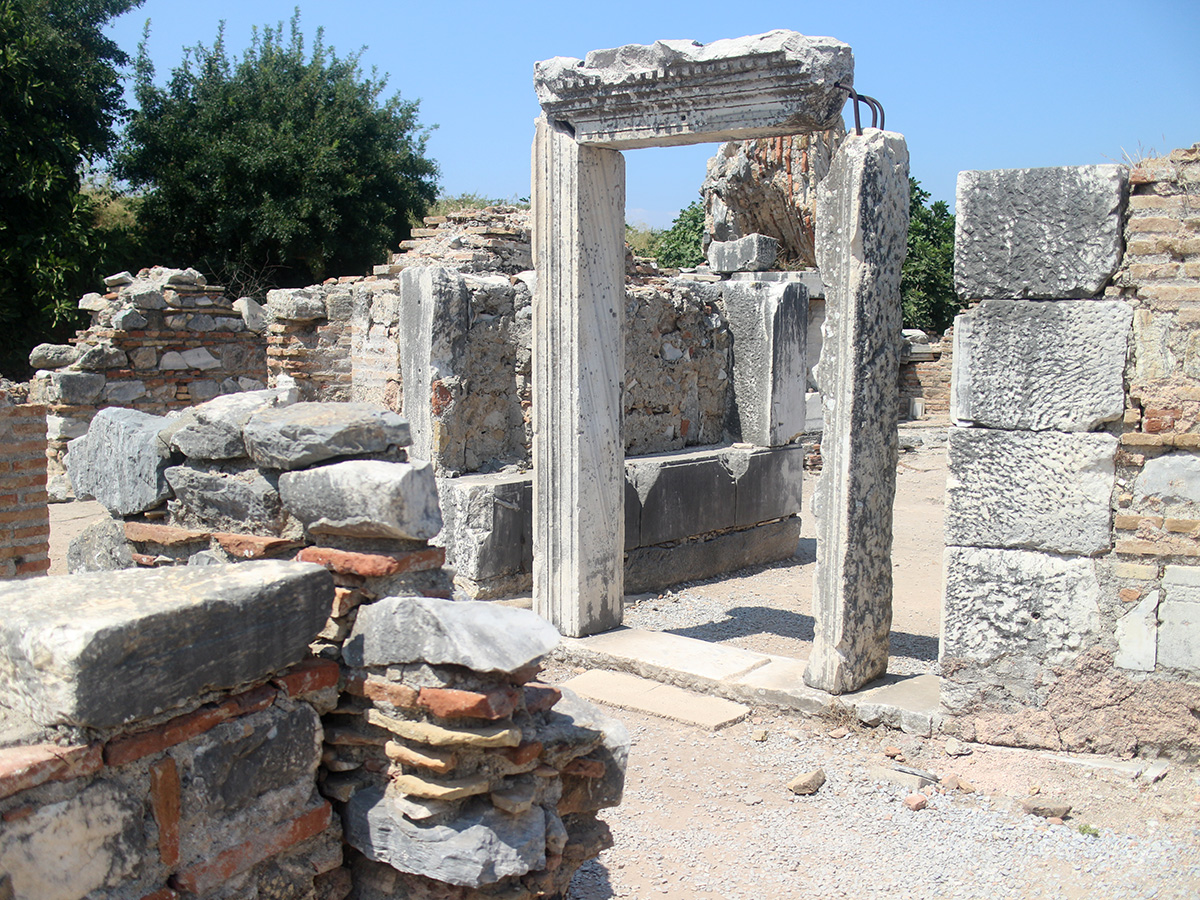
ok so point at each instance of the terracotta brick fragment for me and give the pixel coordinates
(1138, 439)
(526, 752)
(164, 535)
(33, 566)
(253, 546)
(22, 768)
(147, 560)
(539, 697)
(205, 876)
(308, 676)
(398, 695)
(585, 768)
(1130, 595)
(373, 565)
(448, 703)
(17, 813)
(165, 803)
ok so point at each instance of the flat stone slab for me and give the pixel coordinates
(1039, 365)
(667, 701)
(910, 703)
(1051, 233)
(304, 434)
(780, 683)
(213, 430)
(665, 657)
(684, 92)
(109, 648)
(365, 498)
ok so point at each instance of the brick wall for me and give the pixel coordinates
(929, 379)
(24, 516)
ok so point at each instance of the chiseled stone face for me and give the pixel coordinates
(1047, 233)
(120, 461)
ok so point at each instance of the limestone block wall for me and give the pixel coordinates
(24, 517)
(1071, 560)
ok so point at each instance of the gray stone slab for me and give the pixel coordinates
(810, 278)
(304, 434)
(632, 692)
(752, 253)
(681, 495)
(120, 461)
(1170, 482)
(296, 304)
(109, 648)
(1036, 365)
(1030, 490)
(480, 846)
(470, 633)
(1137, 635)
(780, 683)
(862, 222)
(1018, 610)
(1038, 233)
(683, 92)
(769, 324)
(365, 498)
(910, 703)
(213, 430)
(220, 500)
(487, 524)
(769, 482)
(665, 657)
(1179, 619)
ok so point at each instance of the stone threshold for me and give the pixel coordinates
(907, 702)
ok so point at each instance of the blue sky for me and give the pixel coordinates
(973, 84)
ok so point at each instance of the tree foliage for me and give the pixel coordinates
(280, 166)
(60, 99)
(678, 246)
(927, 279)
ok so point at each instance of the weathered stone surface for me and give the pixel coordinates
(365, 498)
(296, 304)
(752, 253)
(129, 320)
(225, 501)
(574, 714)
(1017, 610)
(120, 279)
(684, 92)
(53, 356)
(1022, 364)
(807, 782)
(480, 846)
(253, 314)
(474, 634)
(213, 430)
(480, 736)
(1030, 490)
(1172, 481)
(101, 547)
(578, 372)
(446, 789)
(862, 217)
(1038, 233)
(1179, 619)
(77, 847)
(769, 322)
(487, 524)
(681, 495)
(107, 648)
(101, 356)
(303, 434)
(69, 388)
(1137, 636)
(120, 461)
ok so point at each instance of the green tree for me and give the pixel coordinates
(280, 167)
(60, 99)
(927, 279)
(681, 244)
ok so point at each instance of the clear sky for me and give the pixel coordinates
(973, 84)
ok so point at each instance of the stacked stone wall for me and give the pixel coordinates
(928, 379)
(24, 516)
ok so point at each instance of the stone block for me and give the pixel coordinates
(1179, 619)
(101, 547)
(129, 320)
(64, 428)
(253, 314)
(752, 253)
(296, 304)
(1046, 233)
(1137, 636)
(365, 498)
(572, 712)
(213, 430)
(469, 633)
(1172, 481)
(480, 846)
(1030, 490)
(101, 356)
(109, 648)
(1037, 366)
(769, 482)
(683, 92)
(769, 324)
(53, 356)
(120, 461)
(225, 500)
(682, 494)
(862, 221)
(68, 388)
(487, 524)
(304, 434)
(117, 392)
(1018, 608)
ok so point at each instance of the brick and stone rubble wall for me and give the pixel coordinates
(24, 515)
(928, 379)
(1072, 519)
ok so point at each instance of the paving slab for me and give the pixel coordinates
(665, 657)
(667, 701)
(780, 683)
(908, 702)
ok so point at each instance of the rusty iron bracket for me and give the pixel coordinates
(874, 105)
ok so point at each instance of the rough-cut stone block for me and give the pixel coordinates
(1030, 490)
(1018, 606)
(470, 633)
(1179, 619)
(862, 221)
(1038, 233)
(479, 846)
(296, 305)
(70, 388)
(53, 356)
(1172, 480)
(253, 314)
(213, 430)
(752, 253)
(304, 434)
(108, 648)
(681, 495)
(101, 547)
(684, 92)
(573, 712)
(120, 461)
(578, 372)
(365, 498)
(220, 500)
(1024, 364)
(487, 524)
(769, 323)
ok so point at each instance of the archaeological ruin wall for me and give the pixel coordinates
(24, 516)
(1072, 519)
